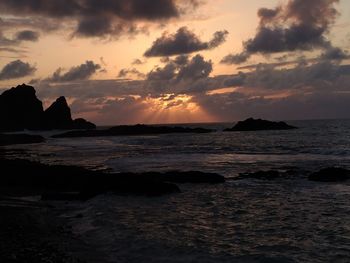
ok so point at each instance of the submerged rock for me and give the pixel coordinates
(260, 125)
(10, 139)
(132, 130)
(331, 174)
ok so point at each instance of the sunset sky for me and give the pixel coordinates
(179, 61)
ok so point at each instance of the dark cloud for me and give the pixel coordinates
(181, 68)
(124, 73)
(16, 69)
(181, 60)
(168, 72)
(235, 81)
(197, 68)
(82, 72)
(335, 53)
(98, 18)
(236, 58)
(298, 25)
(137, 62)
(183, 41)
(27, 35)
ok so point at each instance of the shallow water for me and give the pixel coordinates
(284, 220)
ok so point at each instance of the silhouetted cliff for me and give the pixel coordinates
(20, 109)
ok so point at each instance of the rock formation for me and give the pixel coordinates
(20, 109)
(260, 125)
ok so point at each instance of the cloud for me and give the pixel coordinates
(168, 72)
(197, 68)
(335, 53)
(123, 73)
(138, 62)
(183, 41)
(27, 35)
(98, 18)
(297, 25)
(16, 69)
(235, 58)
(181, 68)
(81, 72)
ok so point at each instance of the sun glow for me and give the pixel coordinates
(172, 108)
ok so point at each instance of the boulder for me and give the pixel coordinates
(260, 125)
(331, 174)
(20, 109)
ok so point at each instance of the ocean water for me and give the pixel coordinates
(285, 220)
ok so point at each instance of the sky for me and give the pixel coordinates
(181, 61)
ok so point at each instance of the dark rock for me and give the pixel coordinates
(132, 130)
(58, 115)
(260, 125)
(59, 182)
(331, 174)
(260, 175)
(9, 139)
(20, 109)
(82, 124)
(193, 177)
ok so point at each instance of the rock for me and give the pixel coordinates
(331, 174)
(82, 124)
(259, 125)
(9, 139)
(20, 109)
(58, 115)
(132, 130)
(260, 175)
(59, 182)
(193, 177)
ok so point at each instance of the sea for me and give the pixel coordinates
(290, 219)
